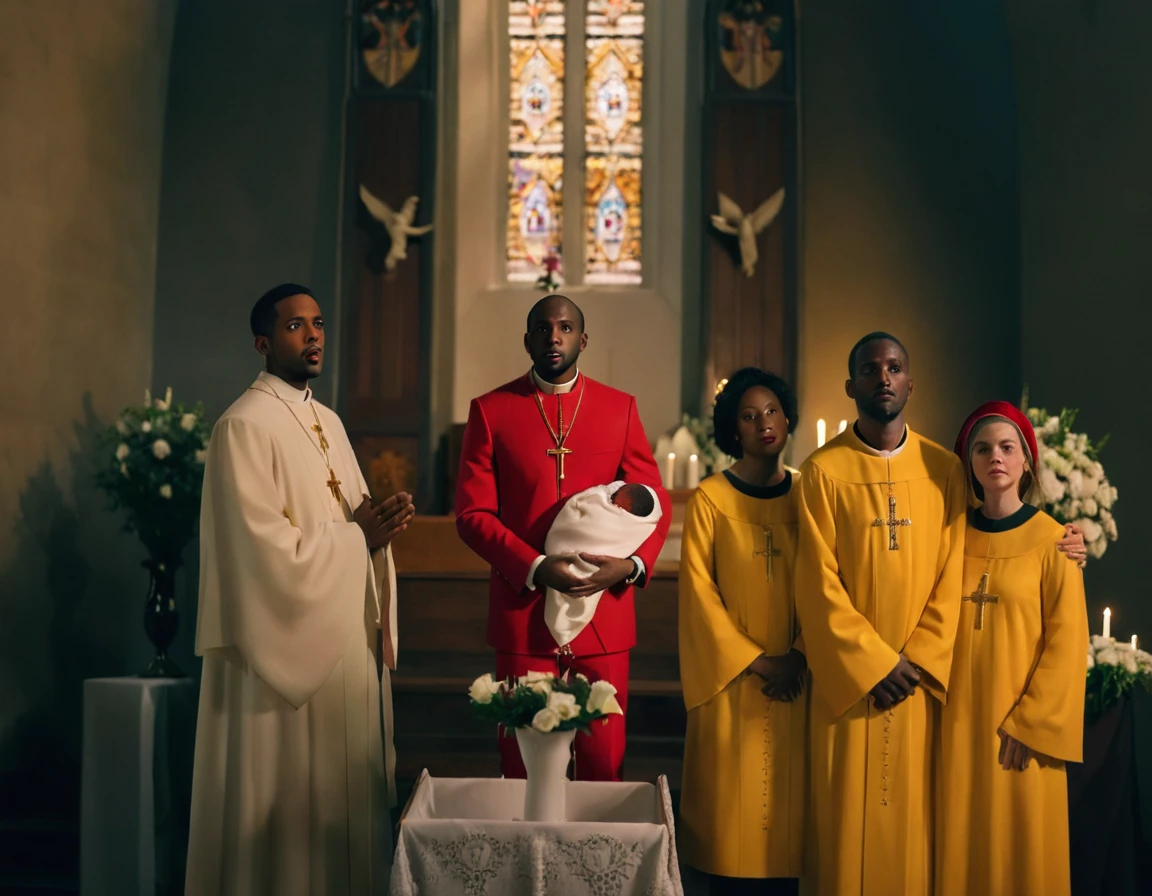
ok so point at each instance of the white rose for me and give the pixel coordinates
(1096, 470)
(603, 699)
(1051, 485)
(1075, 484)
(165, 491)
(1108, 657)
(1097, 548)
(188, 422)
(1090, 528)
(1128, 660)
(1071, 508)
(145, 426)
(1091, 508)
(1089, 486)
(121, 427)
(1051, 426)
(201, 456)
(484, 688)
(121, 452)
(1106, 495)
(545, 720)
(161, 449)
(564, 705)
(1099, 642)
(535, 676)
(1109, 526)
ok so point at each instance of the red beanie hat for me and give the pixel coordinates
(998, 409)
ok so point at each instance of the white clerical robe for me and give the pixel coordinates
(294, 764)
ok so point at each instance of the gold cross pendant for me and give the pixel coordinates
(981, 597)
(892, 523)
(769, 550)
(334, 484)
(559, 453)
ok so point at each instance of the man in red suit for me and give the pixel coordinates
(528, 447)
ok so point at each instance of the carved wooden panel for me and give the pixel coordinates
(751, 150)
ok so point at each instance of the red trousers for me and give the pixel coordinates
(599, 755)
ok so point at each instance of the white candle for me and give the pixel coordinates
(1107, 623)
(693, 471)
(670, 471)
(843, 426)
(820, 432)
(1133, 642)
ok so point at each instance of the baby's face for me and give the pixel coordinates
(634, 498)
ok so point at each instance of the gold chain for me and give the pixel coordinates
(563, 436)
(319, 429)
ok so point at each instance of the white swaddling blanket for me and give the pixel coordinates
(589, 522)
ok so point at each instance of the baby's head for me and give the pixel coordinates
(634, 498)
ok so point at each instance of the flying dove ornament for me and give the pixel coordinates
(746, 228)
(398, 224)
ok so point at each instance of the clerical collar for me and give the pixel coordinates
(284, 390)
(779, 490)
(554, 388)
(1013, 521)
(876, 451)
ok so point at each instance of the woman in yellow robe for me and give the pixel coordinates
(1015, 710)
(744, 781)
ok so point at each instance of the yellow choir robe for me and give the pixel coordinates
(1006, 832)
(744, 784)
(865, 592)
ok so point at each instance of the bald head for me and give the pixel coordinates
(554, 306)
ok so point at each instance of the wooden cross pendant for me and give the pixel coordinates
(981, 597)
(769, 551)
(559, 453)
(334, 484)
(892, 522)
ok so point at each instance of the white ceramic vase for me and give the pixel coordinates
(546, 761)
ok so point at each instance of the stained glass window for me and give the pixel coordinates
(536, 135)
(610, 147)
(613, 140)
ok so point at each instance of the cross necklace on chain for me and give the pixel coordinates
(561, 436)
(981, 597)
(892, 522)
(333, 483)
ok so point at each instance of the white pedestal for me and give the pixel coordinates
(136, 785)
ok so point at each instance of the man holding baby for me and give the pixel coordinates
(559, 603)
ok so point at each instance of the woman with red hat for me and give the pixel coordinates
(1015, 709)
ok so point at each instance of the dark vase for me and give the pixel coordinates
(160, 617)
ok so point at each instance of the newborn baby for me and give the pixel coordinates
(605, 519)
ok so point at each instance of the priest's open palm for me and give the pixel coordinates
(897, 685)
(384, 521)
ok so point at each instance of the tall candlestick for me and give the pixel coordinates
(820, 432)
(670, 471)
(1133, 642)
(843, 426)
(693, 471)
(1107, 623)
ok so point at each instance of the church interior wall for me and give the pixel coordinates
(1085, 141)
(83, 113)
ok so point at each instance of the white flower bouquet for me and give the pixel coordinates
(543, 701)
(712, 459)
(1114, 669)
(1072, 478)
(150, 463)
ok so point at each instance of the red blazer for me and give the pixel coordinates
(506, 500)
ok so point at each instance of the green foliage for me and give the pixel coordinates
(516, 703)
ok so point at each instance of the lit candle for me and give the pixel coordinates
(820, 432)
(670, 471)
(1107, 623)
(843, 426)
(1133, 642)
(693, 471)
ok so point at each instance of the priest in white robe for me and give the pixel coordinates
(293, 777)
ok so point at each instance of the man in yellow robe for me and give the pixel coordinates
(881, 546)
(297, 627)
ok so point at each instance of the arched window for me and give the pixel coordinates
(575, 140)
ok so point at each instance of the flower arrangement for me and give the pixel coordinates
(544, 702)
(1115, 668)
(548, 280)
(1072, 478)
(709, 453)
(151, 464)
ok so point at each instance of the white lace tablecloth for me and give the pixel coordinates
(461, 836)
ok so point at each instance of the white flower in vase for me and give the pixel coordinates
(1107, 656)
(1099, 642)
(121, 452)
(545, 720)
(188, 422)
(1128, 660)
(1051, 485)
(121, 426)
(603, 699)
(1097, 548)
(166, 491)
(484, 688)
(201, 456)
(161, 449)
(124, 470)
(1091, 508)
(146, 426)
(564, 705)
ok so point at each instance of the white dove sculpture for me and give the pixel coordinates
(398, 224)
(732, 220)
